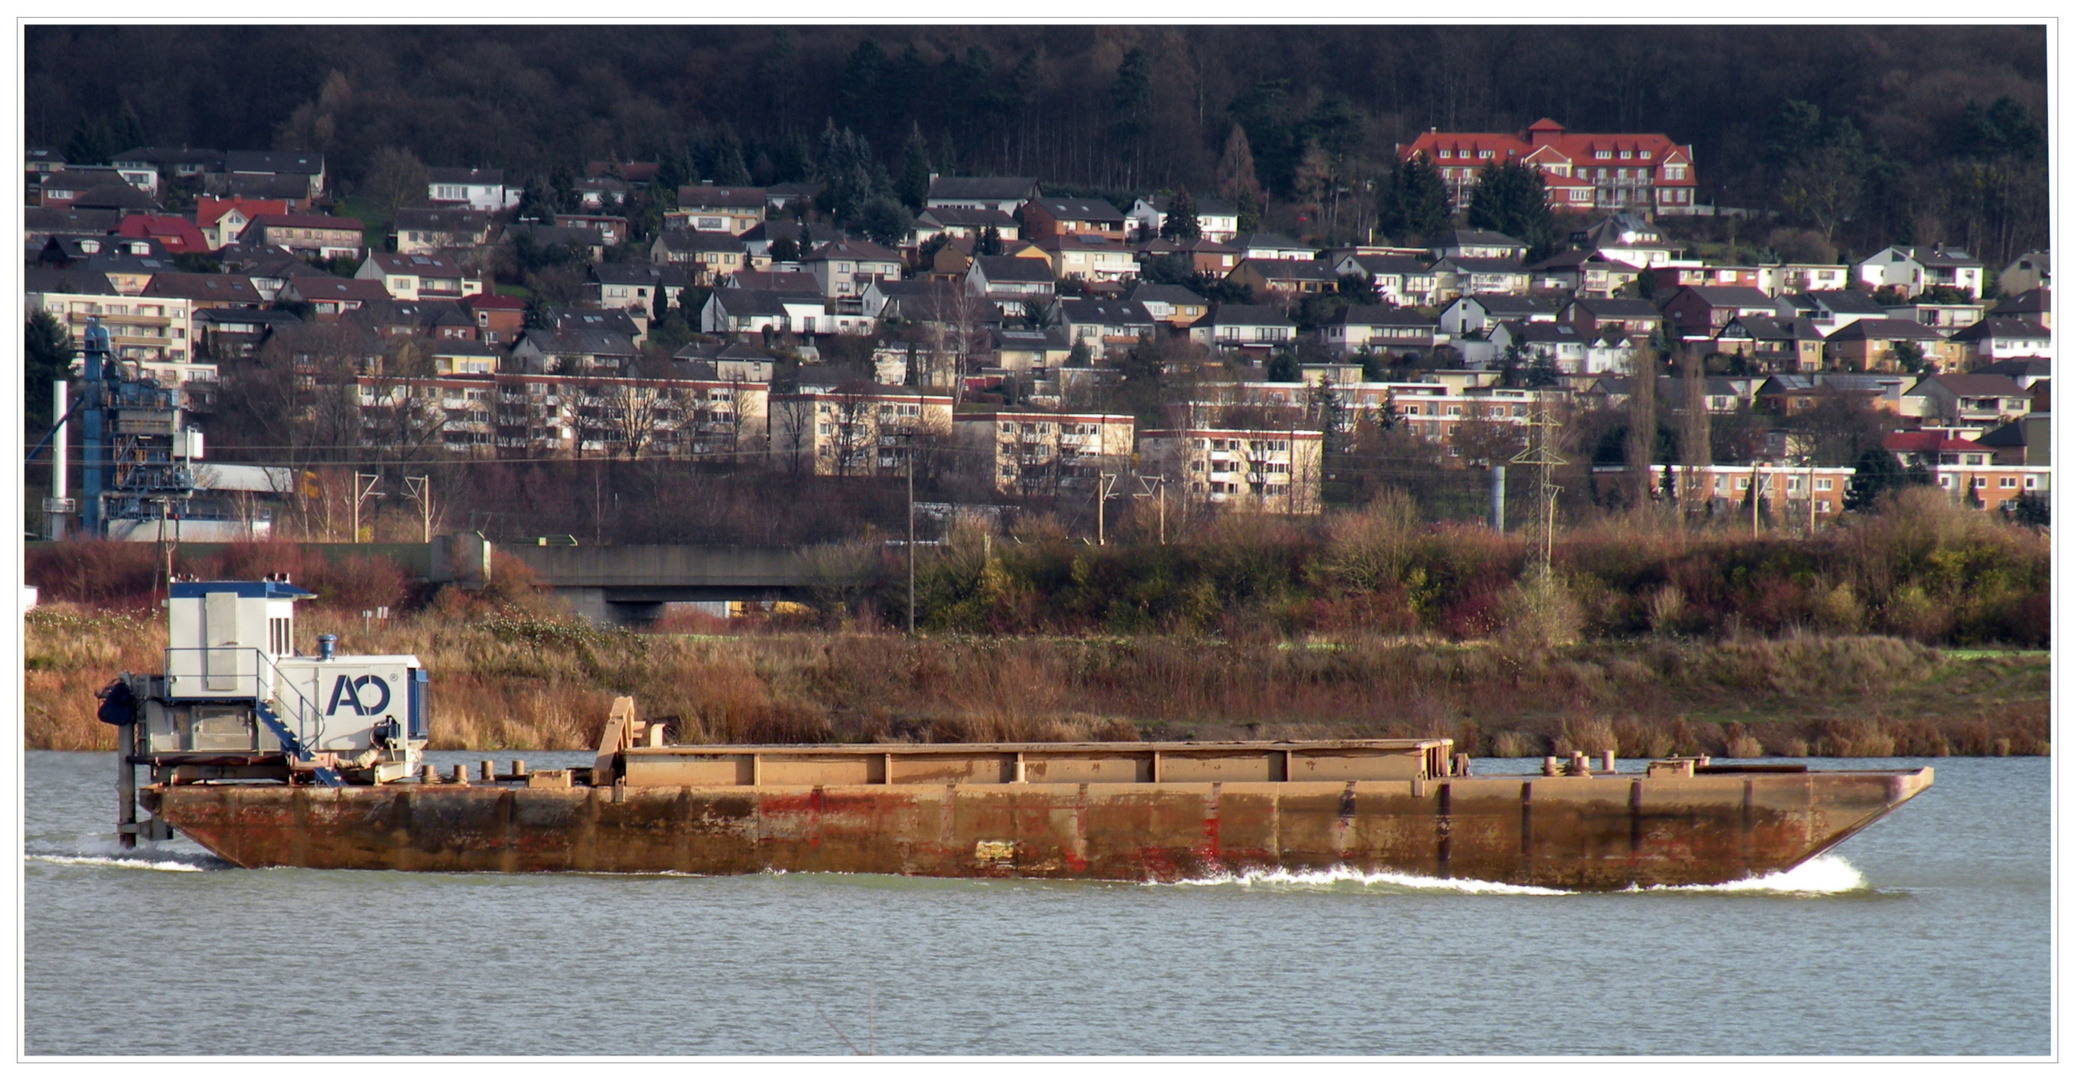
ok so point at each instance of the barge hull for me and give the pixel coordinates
(1597, 832)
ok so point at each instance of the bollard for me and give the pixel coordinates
(460, 775)
(1549, 767)
(428, 774)
(1578, 766)
(489, 771)
(1462, 765)
(518, 769)
(1606, 761)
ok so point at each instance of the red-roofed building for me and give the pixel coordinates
(1968, 471)
(221, 220)
(499, 319)
(177, 235)
(1645, 173)
(322, 235)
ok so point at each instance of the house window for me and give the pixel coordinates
(1823, 506)
(1824, 483)
(2006, 482)
(2031, 482)
(1624, 155)
(1483, 153)
(1603, 155)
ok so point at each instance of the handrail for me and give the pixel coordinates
(309, 719)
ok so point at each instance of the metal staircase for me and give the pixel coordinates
(309, 722)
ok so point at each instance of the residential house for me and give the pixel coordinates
(1969, 471)
(474, 189)
(1594, 316)
(464, 356)
(857, 430)
(1478, 244)
(1261, 245)
(2028, 271)
(205, 291)
(1944, 318)
(293, 190)
(1793, 394)
(1006, 194)
(1244, 327)
(1399, 280)
(1041, 453)
(612, 228)
(128, 272)
(795, 282)
(1888, 345)
(965, 223)
(60, 190)
(1030, 352)
(420, 276)
(117, 196)
(1011, 281)
(40, 223)
(633, 172)
(1681, 274)
(2026, 440)
(1973, 401)
(635, 286)
(601, 193)
(1088, 257)
(149, 330)
(319, 235)
(420, 230)
(705, 208)
(222, 221)
(589, 243)
(705, 256)
(1914, 269)
(234, 333)
(146, 166)
(1271, 472)
(2035, 305)
(778, 198)
(1626, 239)
(2027, 371)
(573, 350)
(754, 311)
(1462, 275)
(1560, 344)
(330, 297)
(1476, 314)
(1205, 256)
(1991, 340)
(1773, 343)
(1287, 278)
(844, 267)
(303, 167)
(1174, 305)
(175, 235)
(1581, 273)
(1216, 219)
(1103, 325)
(1049, 218)
(438, 320)
(1779, 279)
(499, 319)
(1643, 173)
(1378, 328)
(919, 301)
(1699, 312)
(1832, 310)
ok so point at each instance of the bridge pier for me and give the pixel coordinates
(599, 606)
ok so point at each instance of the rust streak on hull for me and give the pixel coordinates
(1588, 832)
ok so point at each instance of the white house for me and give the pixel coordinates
(477, 189)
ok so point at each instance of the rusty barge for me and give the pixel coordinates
(349, 790)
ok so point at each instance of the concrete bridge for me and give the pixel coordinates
(633, 582)
(608, 584)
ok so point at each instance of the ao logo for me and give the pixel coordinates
(349, 690)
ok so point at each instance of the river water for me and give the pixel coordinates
(1928, 934)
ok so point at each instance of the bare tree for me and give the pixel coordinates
(1696, 440)
(792, 433)
(1642, 430)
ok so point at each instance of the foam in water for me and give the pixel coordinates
(1345, 876)
(1824, 875)
(110, 854)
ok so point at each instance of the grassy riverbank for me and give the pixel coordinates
(523, 677)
